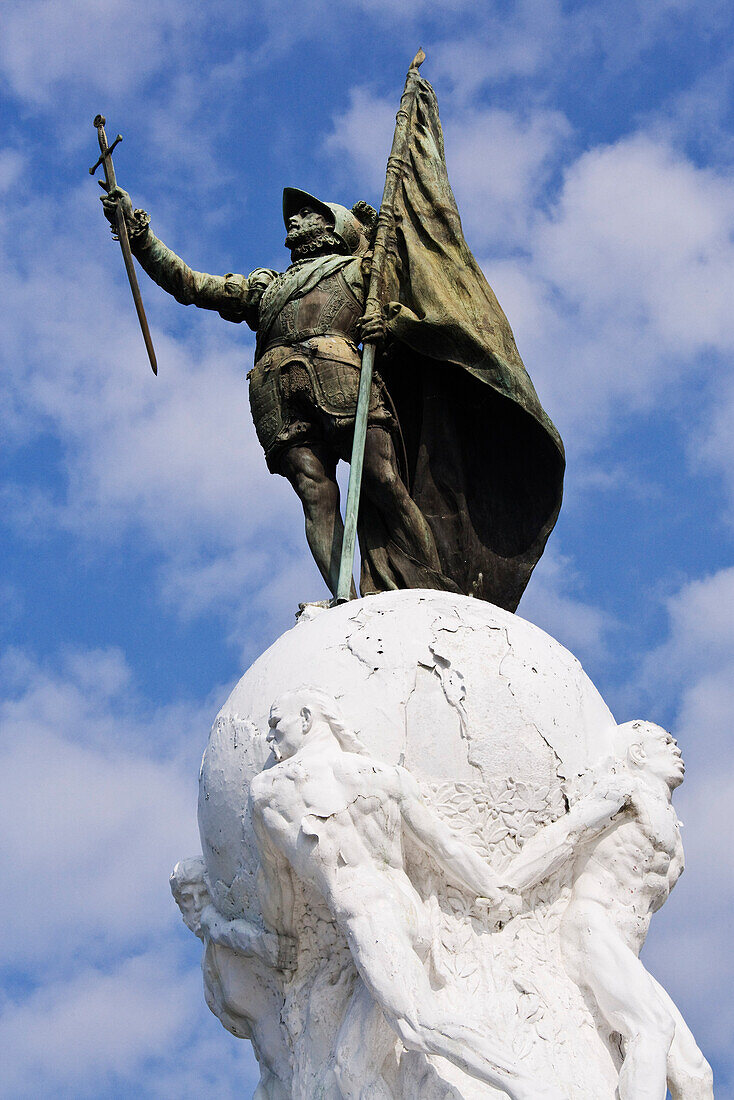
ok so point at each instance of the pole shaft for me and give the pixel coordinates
(346, 564)
(395, 168)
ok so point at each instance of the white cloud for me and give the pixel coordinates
(12, 165)
(641, 231)
(548, 41)
(135, 1027)
(711, 445)
(499, 162)
(625, 287)
(98, 796)
(697, 662)
(92, 821)
(361, 138)
(502, 46)
(551, 602)
(95, 1025)
(47, 42)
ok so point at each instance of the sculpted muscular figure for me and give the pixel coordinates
(333, 817)
(241, 981)
(624, 840)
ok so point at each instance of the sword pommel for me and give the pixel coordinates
(99, 120)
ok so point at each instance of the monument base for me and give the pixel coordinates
(491, 730)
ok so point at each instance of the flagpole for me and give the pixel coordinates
(395, 167)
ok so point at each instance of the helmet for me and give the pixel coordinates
(353, 231)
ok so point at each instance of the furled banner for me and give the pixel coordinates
(485, 462)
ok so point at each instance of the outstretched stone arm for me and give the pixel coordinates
(460, 862)
(233, 296)
(553, 845)
(247, 939)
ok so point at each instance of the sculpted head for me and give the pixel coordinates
(188, 886)
(320, 228)
(297, 714)
(308, 231)
(654, 751)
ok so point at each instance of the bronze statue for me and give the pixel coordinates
(462, 469)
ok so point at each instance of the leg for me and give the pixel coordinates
(598, 959)
(396, 980)
(385, 488)
(363, 1043)
(311, 470)
(689, 1074)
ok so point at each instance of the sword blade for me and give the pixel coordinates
(133, 279)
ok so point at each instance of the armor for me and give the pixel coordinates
(330, 308)
(307, 392)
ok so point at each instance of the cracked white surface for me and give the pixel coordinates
(490, 715)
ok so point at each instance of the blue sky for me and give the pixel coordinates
(149, 557)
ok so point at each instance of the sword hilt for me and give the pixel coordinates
(105, 158)
(106, 153)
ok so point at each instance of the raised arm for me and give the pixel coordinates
(553, 845)
(245, 938)
(458, 859)
(233, 296)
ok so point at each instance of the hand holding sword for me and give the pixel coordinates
(118, 209)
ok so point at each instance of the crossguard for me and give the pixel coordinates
(107, 151)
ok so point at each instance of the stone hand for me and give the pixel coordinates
(209, 919)
(279, 951)
(501, 905)
(615, 788)
(110, 201)
(372, 328)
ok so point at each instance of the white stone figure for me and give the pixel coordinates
(499, 728)
(623, 838)
(238, 968)
(333, 817)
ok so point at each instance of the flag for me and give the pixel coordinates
(484, 462)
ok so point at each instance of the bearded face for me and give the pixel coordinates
(309, 234)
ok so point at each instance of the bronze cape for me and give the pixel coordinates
(484, 462)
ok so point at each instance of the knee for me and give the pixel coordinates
(311, 484)
(345, 1078)
(310, 488)
(382, 480)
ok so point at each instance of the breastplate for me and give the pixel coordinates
(330, 307)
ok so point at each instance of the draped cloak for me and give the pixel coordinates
(484, 462)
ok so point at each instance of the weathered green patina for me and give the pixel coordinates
(463, 469)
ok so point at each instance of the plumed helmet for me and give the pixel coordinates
(353, 227)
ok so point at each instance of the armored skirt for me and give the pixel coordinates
(306, 393)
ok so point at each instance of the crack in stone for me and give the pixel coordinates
(504, 676)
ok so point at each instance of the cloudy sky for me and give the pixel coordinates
(149, 557)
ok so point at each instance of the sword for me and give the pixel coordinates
(105, 160)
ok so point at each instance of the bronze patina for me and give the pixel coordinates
(459, 467)
(120, 226)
